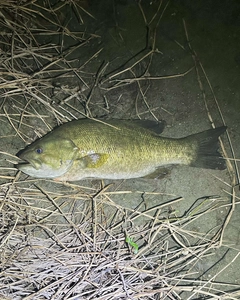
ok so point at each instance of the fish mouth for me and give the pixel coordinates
(28, 163)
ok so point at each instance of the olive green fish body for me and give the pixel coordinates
(114, 149)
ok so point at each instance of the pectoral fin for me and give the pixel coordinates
(94, 160)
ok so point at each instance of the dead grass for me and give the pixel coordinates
(72, 245)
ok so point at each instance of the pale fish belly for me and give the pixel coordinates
(76, 173)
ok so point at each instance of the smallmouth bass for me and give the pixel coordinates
(116, 149)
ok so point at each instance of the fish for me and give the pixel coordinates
(116, 149)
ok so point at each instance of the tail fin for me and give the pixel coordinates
(207, 155)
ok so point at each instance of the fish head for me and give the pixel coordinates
(48, 157)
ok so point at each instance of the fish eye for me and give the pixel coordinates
(39, 150)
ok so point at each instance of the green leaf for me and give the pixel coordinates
(131, 243)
